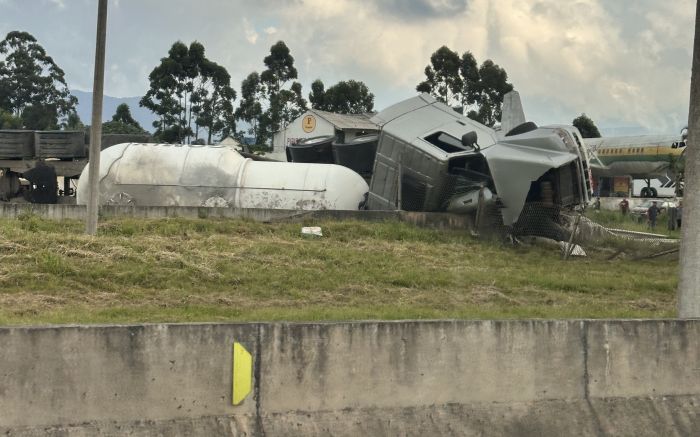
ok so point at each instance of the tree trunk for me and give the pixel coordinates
(689, 285)
(185, 119)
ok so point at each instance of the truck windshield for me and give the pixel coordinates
(447, 142)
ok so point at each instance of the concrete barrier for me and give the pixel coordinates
(529, 378)
(78, 212)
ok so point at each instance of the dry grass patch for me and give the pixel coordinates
(178, 270)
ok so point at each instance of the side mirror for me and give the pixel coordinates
(469, 140)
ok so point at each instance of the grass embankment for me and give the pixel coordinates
(222, 270)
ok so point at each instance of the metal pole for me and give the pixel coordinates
(570, 247)
(96, 126)
(689, 285)
(399, 181)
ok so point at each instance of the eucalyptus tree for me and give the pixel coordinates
(32, 86)
(284, 104)
(345, 97)
(189, 93)
(586, 126)
(279, 96)
(475, 91)
(250, 108)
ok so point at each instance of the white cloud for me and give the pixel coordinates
(250, 34)
(628, 63)
(578, 54)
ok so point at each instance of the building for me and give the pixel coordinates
(231, 142)
(315, 123)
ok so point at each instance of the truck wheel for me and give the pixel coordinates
(654, 193)
(644, 192)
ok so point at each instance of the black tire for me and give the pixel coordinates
(644, 192)
(653, 192)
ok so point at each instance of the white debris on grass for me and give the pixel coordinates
(312, 231)
(576, 251)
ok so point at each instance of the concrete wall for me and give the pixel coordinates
(78, 212)
(531, 378)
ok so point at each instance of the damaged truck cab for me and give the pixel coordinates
(431, 158)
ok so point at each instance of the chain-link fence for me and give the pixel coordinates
(612, 242)
(575, 232)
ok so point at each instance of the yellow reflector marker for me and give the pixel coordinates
(242, 373)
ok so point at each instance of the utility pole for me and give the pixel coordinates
(689, 284)
(96, 127)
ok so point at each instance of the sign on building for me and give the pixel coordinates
(308, 123)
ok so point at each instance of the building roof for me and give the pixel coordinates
(229, 141)
(347, 121)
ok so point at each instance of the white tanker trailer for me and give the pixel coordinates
(192, 175)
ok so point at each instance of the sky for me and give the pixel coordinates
(624, 63)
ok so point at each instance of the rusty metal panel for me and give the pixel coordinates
(60, 144)
(16, 144)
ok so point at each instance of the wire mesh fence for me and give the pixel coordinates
(574, 230)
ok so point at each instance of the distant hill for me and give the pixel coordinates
(109, 106)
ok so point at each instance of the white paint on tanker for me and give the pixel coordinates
(182, 175)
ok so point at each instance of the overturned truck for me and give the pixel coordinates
(430, 158)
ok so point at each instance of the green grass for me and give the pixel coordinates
(178, 270)
(615, 219)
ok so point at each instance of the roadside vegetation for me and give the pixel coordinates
(631, 222)
(179, 270)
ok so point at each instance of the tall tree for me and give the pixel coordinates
(442, 77)
(165, 95)
(476, 92)
(317, 94)
(280, 67)
(123, 115)
(284, 104)
(32, 86)
(586, 126)
(345, 97)
(291, 104)
(9, 121)
(250, 109)
(122, 122)
(118, 127)
(40, 117)
(469, 72)
(73, 122)
(217, 113)
(269, 102)
(492, 86)
(189, 92)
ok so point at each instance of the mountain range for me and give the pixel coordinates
(109, 107)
